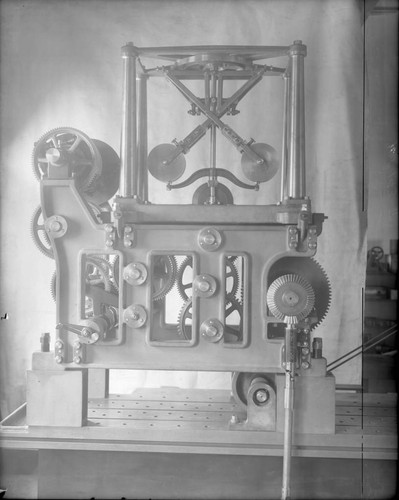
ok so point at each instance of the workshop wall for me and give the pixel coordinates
(61, 66)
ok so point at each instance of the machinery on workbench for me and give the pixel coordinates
(206, 286)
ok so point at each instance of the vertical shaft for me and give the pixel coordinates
(212, 149)
(290, 352)
(128, 181)
(284, 152)
(296, 147)
(142, 141)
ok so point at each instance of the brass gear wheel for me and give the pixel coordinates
(290, 298)
(163, 276)
(314, 274)
(39, 235)
(184, 322)
(185, 288)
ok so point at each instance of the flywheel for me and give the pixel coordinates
(92, 163)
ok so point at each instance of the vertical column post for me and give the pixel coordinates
(142, 141)
(129, 174)
(296, 148)
(285, 142)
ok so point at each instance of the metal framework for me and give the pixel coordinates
(206, 286)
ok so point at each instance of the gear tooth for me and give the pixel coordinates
(53, 286)
(188, 261)
(48, 252)
(278, 309)
(169, 284)
(181, 318)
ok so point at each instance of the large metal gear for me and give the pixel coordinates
(290, 298)
(184, 322)
(314, 274)
(39, 234)
(163, 275)
(233, 332)
(185, 287)
(68, 144)
(98, 273)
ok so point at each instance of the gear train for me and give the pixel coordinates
(210, 285)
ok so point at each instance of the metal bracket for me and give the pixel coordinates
(261, 407)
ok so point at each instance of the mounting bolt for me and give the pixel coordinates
(58, 359)
(77, 360)
(58, 344)
(261, 396)
(305, 365)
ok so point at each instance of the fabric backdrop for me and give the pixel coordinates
(61, 66)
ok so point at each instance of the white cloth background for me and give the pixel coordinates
(61, 66)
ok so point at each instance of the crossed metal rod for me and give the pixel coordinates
(214, 118)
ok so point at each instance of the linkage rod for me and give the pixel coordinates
(290, 350)
(227, 131)
(196, 135)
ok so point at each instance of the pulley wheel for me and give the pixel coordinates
(223, 196)
(240, 384)
(158, 164)
(260, 172)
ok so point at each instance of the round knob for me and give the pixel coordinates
(135, 273)
(135, 316)
(212, 330)
(204, 285)
(209, 239)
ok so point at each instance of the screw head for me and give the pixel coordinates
(58, 359)
(77, 360)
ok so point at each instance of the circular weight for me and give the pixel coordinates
(39, 234)
(135, 316)
(68, 146)
(163, 275)
(260, 172)
(212, 330)
(223, 196)
(135, 273)
(159, 167)
(56, 225)
(209, 239)
(204, 285)
(290, 298)
(313, 273)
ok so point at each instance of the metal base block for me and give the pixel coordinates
(56, 398)
(314, 405)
